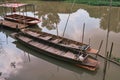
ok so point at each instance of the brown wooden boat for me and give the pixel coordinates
(80, 59)
(18, 17)
(59, 41)
(22, 19)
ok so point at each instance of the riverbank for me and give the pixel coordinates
(96, 2)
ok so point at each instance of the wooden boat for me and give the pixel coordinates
(59, 41)
(18, 17)
(22, 19)
(80, 59)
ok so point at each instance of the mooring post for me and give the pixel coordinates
(17, 28)
(83, 32)
(99, 48)
(105, 69)
(1, 25)
(111, 50)
(34, 10)
(29, 57)
(89, 41)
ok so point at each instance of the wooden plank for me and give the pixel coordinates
(45, 38)
(13, 25)
(69, 55)
(56, 40)
(26, 39)
(39, 45)
(54, 50)
(33, 33)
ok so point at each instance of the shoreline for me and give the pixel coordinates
(97, 3)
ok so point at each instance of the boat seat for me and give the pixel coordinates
(69, 55)
(46, 37)
(33, 34)
(56, 40)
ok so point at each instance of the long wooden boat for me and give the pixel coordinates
(80, 59)
(59, 41)
(24, 19)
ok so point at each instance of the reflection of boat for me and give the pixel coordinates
(18, 18)
(80, 59)
(59, 41)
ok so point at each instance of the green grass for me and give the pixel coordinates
(96, 2)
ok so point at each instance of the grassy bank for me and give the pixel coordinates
(96, 2)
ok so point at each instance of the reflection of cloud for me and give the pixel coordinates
(75, 24)
(6, 60)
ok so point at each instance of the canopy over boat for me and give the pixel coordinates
(15, 17)
(14, 5)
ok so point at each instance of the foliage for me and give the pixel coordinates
(97, 2)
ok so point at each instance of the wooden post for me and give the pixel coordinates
(68, 19)
(107, 54)
(83, 32)
(26, 9)
(99, 48)
(89, 41)
(57, 30)
(111, 50)
(109, 17)
(34, 10)
(29, 57)
(17, 28)
(66, 25)
(1, 25)
(105, 69)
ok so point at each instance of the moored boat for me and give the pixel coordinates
(17, 17)
(59, 41)
(22, 19)
(80, 59)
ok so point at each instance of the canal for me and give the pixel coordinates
(18, 62)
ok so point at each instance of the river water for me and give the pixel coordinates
(18, 62)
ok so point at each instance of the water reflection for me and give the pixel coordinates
(53, 17)
(10, 62)
(114, 20)
(50, 21)
(74, 27)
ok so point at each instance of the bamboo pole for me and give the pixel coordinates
(89, 41)
(26, 9)
(29, 57)
(109, 17)
(99, 48)
(57, 30)
(68, 19)
(105, 69)
(111, 50)
(83, 32)
(34, 10)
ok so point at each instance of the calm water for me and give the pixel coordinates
(18, 62)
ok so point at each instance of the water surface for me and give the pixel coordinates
(17, 62)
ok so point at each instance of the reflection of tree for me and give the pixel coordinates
(50, 21)
(114, 20)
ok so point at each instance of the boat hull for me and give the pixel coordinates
(58, 56)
